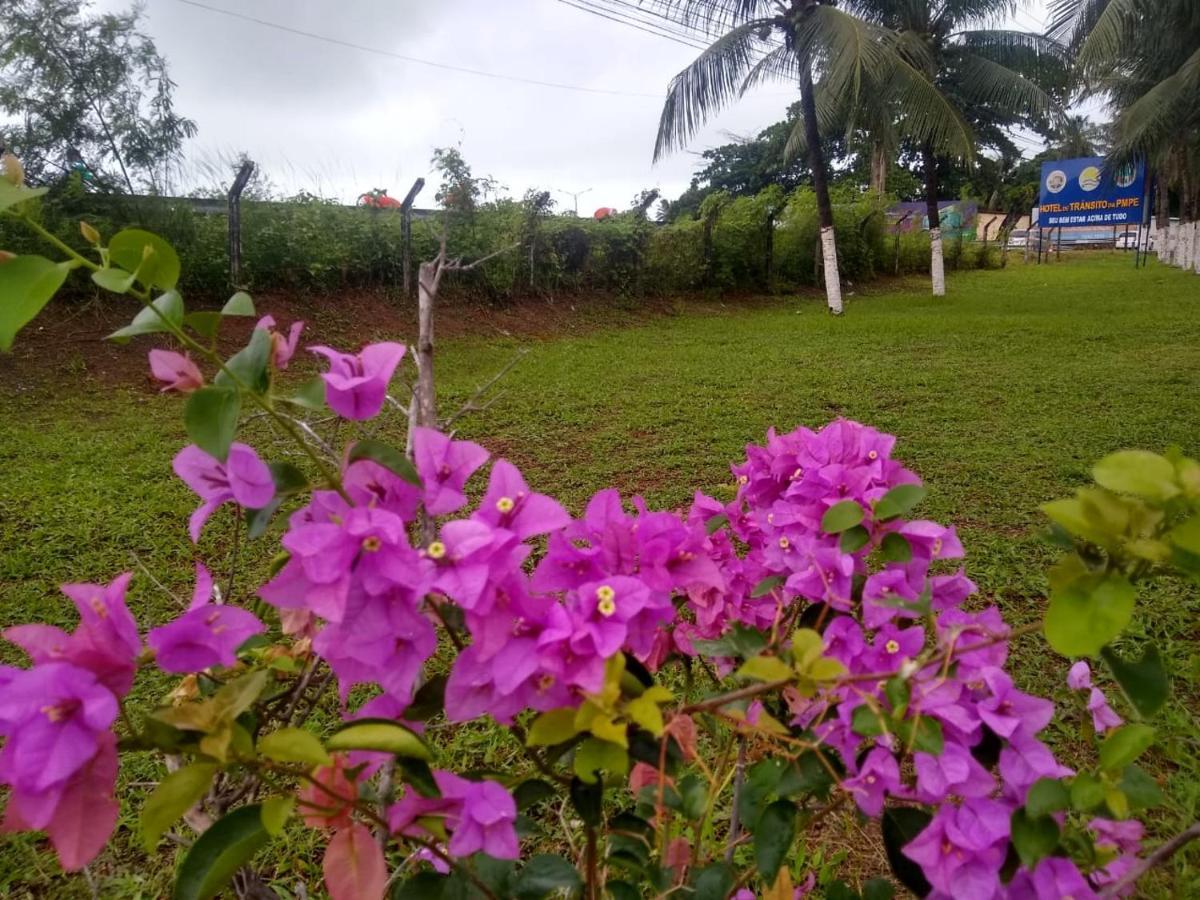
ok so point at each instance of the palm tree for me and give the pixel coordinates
(982, 72)
(796, 41)
(1144, 55)
(1078, 136)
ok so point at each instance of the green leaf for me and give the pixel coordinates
(898, 501)
(211, 419)
(1088, 613)
(587, 798)
(115, 281)
(841, 516)
(223, 849)
(155, 261)
(239, 304)
(1137, 472)
(417, 773)
(422, 886)
(715, 522)
(767, 585)
(311, 395)
(26, 285)
(900, 826)
(895, 548)
(293, 745)
(1124, 745)
(555, 726)
(275, 814)
(1034, 838)
(1086, 792)
(713, 882)
(249, 365)
(1145, 683)
(1140, 789)
(175, 795)
(1185, 536)
(382, 735)
(1048, 795)
(594, 756)
(773, 836)
(694, 793)
(150, 319)
(878, 889)
(388, 457)
(205, 323)
(544, 874)
(866, 722)
(854, 539)
(922, 733)
(12, 194)
(765, 668)
(532, 792)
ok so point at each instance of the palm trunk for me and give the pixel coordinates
(1162, 221)
(937, 265)
(879, 166)
(816, 162)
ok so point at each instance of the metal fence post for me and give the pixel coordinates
(235, 222)
(406, 232)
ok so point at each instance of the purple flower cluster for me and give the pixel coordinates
(60, 758)
(479, 816)
(891, 610)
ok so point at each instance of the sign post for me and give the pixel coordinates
(1085, 191)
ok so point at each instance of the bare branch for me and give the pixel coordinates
(1157, 858)
(472, 404)
(457, 266)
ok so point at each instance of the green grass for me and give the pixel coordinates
(1002, 395)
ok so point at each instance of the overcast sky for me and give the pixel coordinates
(338, 121)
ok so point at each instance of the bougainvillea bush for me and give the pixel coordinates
(694, 691)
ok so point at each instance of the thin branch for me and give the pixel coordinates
(457, 266)
(472, 404)
(1157, 858)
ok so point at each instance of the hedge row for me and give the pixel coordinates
(767, 242)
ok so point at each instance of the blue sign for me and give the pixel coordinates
(1085, 192)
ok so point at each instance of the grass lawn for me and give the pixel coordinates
(1002, 395)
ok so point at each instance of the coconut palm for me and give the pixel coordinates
(798, 42)
(985, 74)
(1144, 56)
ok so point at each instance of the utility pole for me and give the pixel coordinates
(574, 195)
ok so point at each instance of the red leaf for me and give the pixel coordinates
(354, 865)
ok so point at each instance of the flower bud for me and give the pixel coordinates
(11, 170)
(90, 234)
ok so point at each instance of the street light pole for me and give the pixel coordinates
(574, 195)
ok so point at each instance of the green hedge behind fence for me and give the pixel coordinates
(751, 244)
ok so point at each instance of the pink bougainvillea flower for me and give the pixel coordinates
(177, 370)
(878, 777)
(1104, 716)
(1053, 879)
(106, 642)
(356, 384)
(444, 466)
(484, 818)
(954, 772)
(1008, 709)
(79, 815)
(243, 478)
(282, 348)
(509, 504)
(206, 635)
(52, 716)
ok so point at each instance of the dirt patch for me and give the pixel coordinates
(66, 339)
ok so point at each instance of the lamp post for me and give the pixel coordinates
(574, 195)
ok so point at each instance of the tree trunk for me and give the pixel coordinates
(937, 265)
(424, 402)
(1162, 221)
(816, 162)
(879, 167)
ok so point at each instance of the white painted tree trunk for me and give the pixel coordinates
(937, 263)
(1196, 247)
(1186, 235)
(833, 281)
(1164, 253)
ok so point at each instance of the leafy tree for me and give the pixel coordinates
(87, 93)
(991, 78)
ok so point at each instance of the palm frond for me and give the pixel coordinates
(1109, 35)
(928, 115)
(712, 16)
(781, 64)
(955, 14)
(991, 84)
(705, 86)
(1041, 60)
(1072, 20)
(1150, 120)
